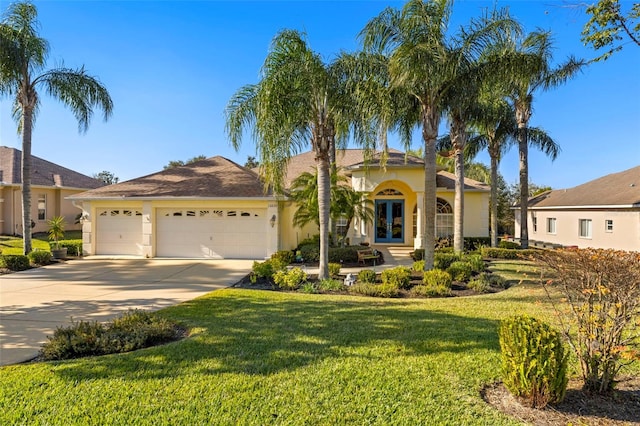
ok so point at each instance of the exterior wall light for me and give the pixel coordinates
(272, 221)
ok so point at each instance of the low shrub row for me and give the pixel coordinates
(135, 329)
(14, 262)
(508, 254)
(74, 247)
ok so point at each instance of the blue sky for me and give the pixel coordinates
(171, 67)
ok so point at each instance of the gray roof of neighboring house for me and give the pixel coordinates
(215, 177)
(617, 189)
(43, 172)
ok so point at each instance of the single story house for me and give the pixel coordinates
(50, 185)
(602, 213)
(215, 208)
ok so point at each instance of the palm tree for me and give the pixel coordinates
(345, 201)
(496, 131)
(426, 63)
(299, 101)
(531, 72)
(22, 74)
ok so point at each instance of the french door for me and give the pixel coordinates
(389, 221)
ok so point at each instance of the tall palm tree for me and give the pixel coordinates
(22, 74)
(496, 131)
(298, 101)
(531, 72)
(425, 62)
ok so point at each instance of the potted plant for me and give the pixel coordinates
(56, 232)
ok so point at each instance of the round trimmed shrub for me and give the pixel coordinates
(399, 277)
(460, 270)
(367, 276)
(437, 278)
(40, 257)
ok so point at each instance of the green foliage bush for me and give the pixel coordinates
(480, 284)
(508, 245)
(40, 257)
(375, 290)
(309, 288)
(460, 270)
(367, 276)
(475, 243)
(534, 361)
(331, 285)
(442, 260)
(14, 262)
(437, 278)
(476, 261)
(263, 269)
(311, 241)
(291, 279)
(399, 277)
(431, 290)
(310, 252)
(344, 254)
(334, 269)
(133, 330)
(509, 254)
(418, 266)
(74, 247)
(283, 256)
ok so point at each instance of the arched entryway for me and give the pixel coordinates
(389, 216)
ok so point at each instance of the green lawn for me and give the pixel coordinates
(259, 357)
(40, 241)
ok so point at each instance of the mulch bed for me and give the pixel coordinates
(458, 289)
(578, 407)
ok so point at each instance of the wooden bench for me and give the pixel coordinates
(367, 254)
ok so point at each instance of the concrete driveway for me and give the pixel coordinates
(34, 302)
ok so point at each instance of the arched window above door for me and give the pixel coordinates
(389, 191)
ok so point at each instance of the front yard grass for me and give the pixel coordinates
(14, 245)
(261, 357)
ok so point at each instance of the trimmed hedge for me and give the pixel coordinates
(311, 253)
(14, 262)
(499, 253)
(40, 257)
(74, 247)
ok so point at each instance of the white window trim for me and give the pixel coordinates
(555, 226)
(606, 226)
(590, 233)
(44, 197)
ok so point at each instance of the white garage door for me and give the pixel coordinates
(212, 233)
(119, 231)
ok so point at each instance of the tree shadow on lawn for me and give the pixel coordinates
(257, 335)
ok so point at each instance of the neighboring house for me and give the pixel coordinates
(50, 185)
(215, 208)
(602, 213)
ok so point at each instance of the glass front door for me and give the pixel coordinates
(389, 221)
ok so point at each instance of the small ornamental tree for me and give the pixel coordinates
(600, 309)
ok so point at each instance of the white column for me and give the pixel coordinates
(417, 241)
(272, 231)
(87, 221)
(148, 229)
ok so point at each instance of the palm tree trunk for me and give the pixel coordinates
(324, 188)
(333, 171)
(458, 139)
(430, 123)
(27, 125)
(494, 200)
(523, 149)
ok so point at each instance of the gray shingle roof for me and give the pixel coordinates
(616, 189)
(215, 177)
(43, 172)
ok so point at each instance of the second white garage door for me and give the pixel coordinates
(212, 233)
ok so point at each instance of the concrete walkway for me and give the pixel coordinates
(34, 302)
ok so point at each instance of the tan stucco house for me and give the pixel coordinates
(216, 208)
(50, 185)
(602, 213)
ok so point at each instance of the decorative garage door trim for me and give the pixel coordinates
(119, 231)
(231, 233)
